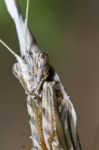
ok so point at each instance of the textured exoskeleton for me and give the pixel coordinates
(52, 115)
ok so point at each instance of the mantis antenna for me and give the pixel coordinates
(12, 52)
(26, 19)
(27, 12)
(26, 23)
(9, 49)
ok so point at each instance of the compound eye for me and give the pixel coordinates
(44, 56)
(43, 60)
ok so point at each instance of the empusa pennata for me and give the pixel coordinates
(52, 115)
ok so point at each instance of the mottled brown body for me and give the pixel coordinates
(52, 115)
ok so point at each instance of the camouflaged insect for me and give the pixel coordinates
(52, 115)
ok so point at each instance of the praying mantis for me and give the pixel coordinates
(53, 118)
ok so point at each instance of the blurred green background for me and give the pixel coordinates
(68, 31)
